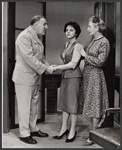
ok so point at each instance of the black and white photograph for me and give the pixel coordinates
(61, 74)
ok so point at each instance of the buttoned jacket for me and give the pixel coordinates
(30, 60)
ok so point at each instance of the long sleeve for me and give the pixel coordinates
(45, 61)
(100, 59)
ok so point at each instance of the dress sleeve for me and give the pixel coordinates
(78, 51)
(76, 55)
(102, 56)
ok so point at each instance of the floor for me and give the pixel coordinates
(52, 126)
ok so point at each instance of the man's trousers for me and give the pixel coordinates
(27, 100)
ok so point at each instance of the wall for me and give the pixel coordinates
(57, 14)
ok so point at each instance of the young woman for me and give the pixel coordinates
(71, 79)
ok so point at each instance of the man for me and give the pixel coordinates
(30, 64)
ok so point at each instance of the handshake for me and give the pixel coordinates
(52, 68)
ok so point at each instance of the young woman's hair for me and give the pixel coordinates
(75, 25)
(98, 21)
(35, 19)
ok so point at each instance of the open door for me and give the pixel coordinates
(20, 14)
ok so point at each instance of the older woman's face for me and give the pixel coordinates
(92, 28)
(70, 32)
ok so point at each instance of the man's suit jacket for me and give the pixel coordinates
(30, 60)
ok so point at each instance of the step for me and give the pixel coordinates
(108, 137)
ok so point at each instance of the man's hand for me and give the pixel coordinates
(50, 69)
(55, 68)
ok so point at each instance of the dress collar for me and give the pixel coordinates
(95, 39)
(68, 43)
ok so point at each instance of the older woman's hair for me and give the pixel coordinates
(75, 25)
(35, 19)
(98, 21)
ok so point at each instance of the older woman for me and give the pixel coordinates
(71, 79)
(95, 93)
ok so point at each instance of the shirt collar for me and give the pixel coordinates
(34, 35)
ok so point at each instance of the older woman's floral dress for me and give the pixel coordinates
(94, 93)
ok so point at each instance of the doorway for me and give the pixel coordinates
(15, 22)
(20, 14)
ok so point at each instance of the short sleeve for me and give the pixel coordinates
(80, 49)
(77, 53)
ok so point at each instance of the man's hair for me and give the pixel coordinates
(35, 19)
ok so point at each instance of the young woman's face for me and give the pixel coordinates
(70, 32)
(92, 28)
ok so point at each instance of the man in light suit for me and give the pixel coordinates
(30, 64)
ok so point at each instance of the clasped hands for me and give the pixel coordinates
(52, 68)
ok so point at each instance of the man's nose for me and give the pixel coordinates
(46, 26)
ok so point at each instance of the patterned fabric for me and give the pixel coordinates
(94, 95)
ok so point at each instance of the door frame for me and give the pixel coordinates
(11, 64)
(107, 11)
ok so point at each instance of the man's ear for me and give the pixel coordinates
(35, 24)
